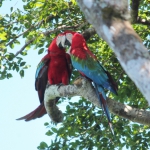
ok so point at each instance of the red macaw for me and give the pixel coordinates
(55, 68)
(88, 65)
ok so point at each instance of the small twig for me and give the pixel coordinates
(64, 27)
(19, 35)
(26, 44)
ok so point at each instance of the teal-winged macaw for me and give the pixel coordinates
(55, 68)
(88, 65)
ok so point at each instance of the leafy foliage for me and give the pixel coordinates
(84, 126)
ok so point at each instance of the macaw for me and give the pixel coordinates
(54, 68)
(88, 65)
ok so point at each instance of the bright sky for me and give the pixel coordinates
(18, 98)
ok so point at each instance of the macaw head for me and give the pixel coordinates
(65, 38)
(56, 44)
(60, 40)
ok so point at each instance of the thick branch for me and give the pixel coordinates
(134, 10)
(109, 21)
(53, 111)
(83, 87)
(88, 33)
(134, 13)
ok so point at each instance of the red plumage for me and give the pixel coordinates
(89, 66)
(55, 68)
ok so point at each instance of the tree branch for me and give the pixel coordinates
(142, 21)
(109, 21)
(25, 45)
(134, 13)
(88, 33)
(64, 27)
(32, 26)
(134, 10)
(47, 33)
(83, 87)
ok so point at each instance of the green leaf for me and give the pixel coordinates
(49, 133)
(17, 68)
(22, 64)
(3, 36)
(41, 51)
(21, 73)
(9, 75)
(42, 146)
(11, 9)
(54, 130)
(46, 124)
(24, 53)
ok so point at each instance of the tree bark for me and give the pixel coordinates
(109, 19)
(83, 87)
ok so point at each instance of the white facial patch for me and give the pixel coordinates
(61, 39)
(58, 40)
(69, 37)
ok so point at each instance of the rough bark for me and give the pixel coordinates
(83, 87)
(109, 19)
(88, 33)
(53, 111)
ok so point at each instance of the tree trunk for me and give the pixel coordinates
(109, 19)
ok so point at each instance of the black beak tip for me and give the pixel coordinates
(60, 46)
(67, 42)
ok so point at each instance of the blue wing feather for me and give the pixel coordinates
(97, 73)
(44, 62)
(41, 77)
(101, 79)
(88, 65)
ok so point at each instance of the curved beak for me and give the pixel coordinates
(63, 40)
(60, 41)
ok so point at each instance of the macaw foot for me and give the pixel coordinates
(80, 77)
(83, 77)
(59, 85)
(48, 85)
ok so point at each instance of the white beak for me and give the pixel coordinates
(61, 40)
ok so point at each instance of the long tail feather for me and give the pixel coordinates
(106, 110)
(114, 86)
(104, 106)
(37, 113)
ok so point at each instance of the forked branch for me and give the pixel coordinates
(83, 87)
